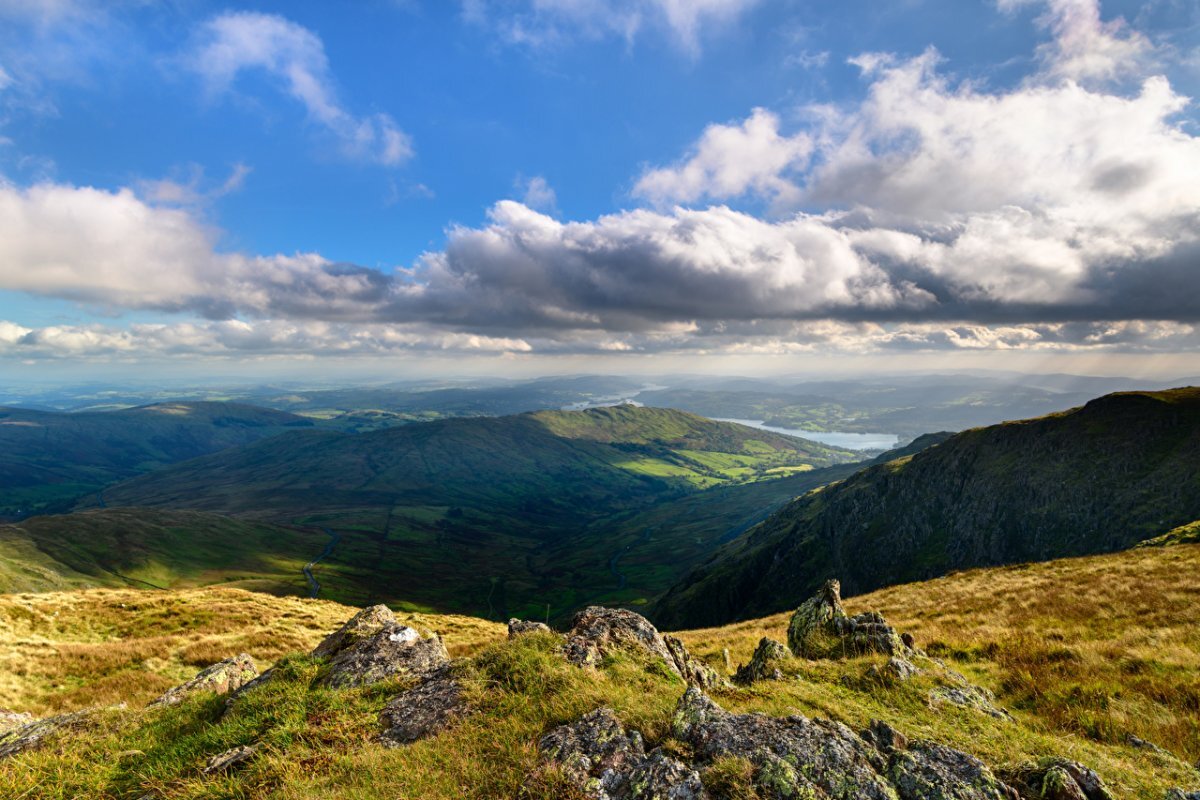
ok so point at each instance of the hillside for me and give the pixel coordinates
(1097, 478)
(1111, 686)
(461, 514)
(153, 548)
(48, 459)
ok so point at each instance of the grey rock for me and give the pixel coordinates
(897, 670)
(11, 720)
(597, 631)
(1142, 744)
(36, 733)
(518, 627)
(884, 737)
(973, 697)
(393, 651)
(1180, 794)
(1057, 779)
(661, 777)
(425, 710)
(229, 760)
(926, 770)
(224, 676)
(595, 754)
(795, 756)
(820, 628)
(361, 626)
(764, 664)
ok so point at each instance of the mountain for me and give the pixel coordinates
(464, 514)
(50, 459)
(1097, 478)
(1107, 700)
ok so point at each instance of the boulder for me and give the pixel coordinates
(820, 628)
(361, 626)
(37, 732)
(425, 710)
(605, 762)
(1057, 779)
(926, 770)
(520, 627)
(229, 760)
(764, 664)
(897, 670)
(392, 651)
(224, 676)
(975, 698)
(597, 631)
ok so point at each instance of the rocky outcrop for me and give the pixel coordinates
(897, 670)
(797, 757)
(597, 631)
(764, 664)
(360, 627)
(519, 627)
(37, 732)
(820, 628)
(975, 698)
(605, 762)
(425, 710)
(11, 720)
(224, 676)
(229, 760)
(394, 651)
(1180, 794)
(1057, 779)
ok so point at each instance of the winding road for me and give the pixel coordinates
(314, 586)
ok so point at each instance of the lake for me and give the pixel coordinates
(851, 441)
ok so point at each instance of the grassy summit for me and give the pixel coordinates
(1119, 657)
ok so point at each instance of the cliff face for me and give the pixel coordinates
(1097, 478)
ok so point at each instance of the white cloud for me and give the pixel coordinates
(190, 188)
(731, 160)
(539, 23)
(538, 194)
(295, 56)
(1085, 47)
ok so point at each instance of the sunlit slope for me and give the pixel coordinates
(1101, 477)
(153, 548)
(49, 459)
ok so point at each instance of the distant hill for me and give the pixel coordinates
(49, 459)
(1098, 478)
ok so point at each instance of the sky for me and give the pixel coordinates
(390, 187)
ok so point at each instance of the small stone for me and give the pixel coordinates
(224, 676)
(896, 670)
(764, 664)
(425, 710)
(973, 697)
(229, 760)
(695, 672)
(820, 628)
(518, 627)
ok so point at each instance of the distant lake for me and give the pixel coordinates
(851, 441)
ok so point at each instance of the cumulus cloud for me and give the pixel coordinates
(731, 160)
(539, 23)
(538, 193)
(1084, 46)
(294, 56)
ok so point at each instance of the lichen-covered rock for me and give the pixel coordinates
(34, 734)
(694, 671)
(1180, 794)
(973, 697)
(795, 756)
(394, 650)
(884, 737)
(1057, 779)
(224, 676)
(519, 627)
(11, 720)
(361, 626)
(897, 670)
(597, 631)
(764, 664)
(661, 777)
(229, 760)
(820, 628)
(595, 754)
(425, 710)
(926, 770)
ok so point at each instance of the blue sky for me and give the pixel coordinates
(750, 181)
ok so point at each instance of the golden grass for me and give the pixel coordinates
(62, 651)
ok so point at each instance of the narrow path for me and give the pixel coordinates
(314, 586)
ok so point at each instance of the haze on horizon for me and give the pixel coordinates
(272, 190)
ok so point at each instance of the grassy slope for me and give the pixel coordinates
(459, 515)
(150, 548)
(1092, 479)
(1120, 655)
(62, 651)
(48, 459)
